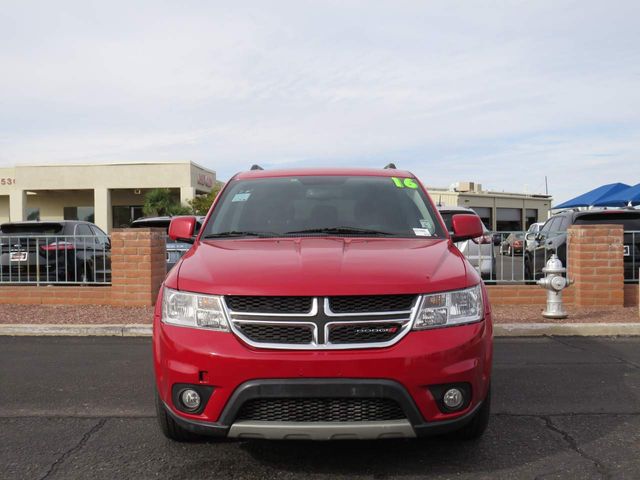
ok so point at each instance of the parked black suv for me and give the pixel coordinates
(54, 252)
(175, 249)
(552, 238)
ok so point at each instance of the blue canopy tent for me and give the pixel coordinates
(623, 198)
(590, 198)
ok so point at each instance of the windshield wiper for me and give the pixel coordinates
(341, 230)
(238, 233)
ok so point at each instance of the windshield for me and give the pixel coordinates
(31, 228)
(323, 205)
(628, 220)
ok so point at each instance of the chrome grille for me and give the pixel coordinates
(371, 303)
(277, 333)
(321, 410)
(317, 326)
(265, 304)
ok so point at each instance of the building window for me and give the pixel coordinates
(509, 219)
(79, 213)
(485, 215)
(531, 216)
(33, 214)
(123, 216)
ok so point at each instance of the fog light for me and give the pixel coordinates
(453, 398)
(190, 399)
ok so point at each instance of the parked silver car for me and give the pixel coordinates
(479, 251)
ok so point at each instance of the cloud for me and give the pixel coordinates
(452, 90)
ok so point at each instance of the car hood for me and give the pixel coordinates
(322, 266)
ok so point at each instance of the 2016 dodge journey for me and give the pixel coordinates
(323, 304)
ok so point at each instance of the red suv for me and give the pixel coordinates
(323, 304)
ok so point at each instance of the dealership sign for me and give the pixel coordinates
(204, 179)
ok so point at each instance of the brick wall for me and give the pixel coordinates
(55, 295)
(137, 270)
(595, 255)
(523, 295)
(138, 265)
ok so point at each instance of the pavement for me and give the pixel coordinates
(82, 407)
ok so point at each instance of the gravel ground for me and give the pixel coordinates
(74, 314)
(78, 314)
(533, 314)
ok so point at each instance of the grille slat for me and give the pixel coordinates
(264, 304)
(371, 303)
(269, 333)
(321, 410)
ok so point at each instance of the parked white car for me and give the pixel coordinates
(479, 251)
(530, 236)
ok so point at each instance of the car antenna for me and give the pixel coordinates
(256, 167)
(390, 165)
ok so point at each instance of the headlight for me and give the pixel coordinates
(192, 310)
(450, 308)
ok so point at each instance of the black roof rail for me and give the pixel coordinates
(390, 165)
(256, 167)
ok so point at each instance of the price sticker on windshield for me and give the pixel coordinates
(404, 182)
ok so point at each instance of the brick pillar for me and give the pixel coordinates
(138, 265)
(595, 256)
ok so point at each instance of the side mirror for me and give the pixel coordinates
(530, 237)
(466, 226)
(182, 228)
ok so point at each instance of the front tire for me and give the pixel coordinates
(478, 424)
(528, 274)
(170, 427)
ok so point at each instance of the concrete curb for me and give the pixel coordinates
(566, 329)
(499, 330)
(69, 330)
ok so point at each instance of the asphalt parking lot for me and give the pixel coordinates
(82, 408)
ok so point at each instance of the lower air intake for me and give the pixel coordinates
(321, 410)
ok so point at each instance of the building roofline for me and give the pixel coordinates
(111, 163)
(491, 193)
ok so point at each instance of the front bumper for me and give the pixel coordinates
(403, 372)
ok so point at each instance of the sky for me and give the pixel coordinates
(501, 93)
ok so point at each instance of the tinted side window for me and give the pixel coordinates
(83, 229)
(547, 227)
(563, 224)
(103, 238)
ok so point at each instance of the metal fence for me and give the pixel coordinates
(54, 260)
(631, 256)
(518, 258)
(513, 257)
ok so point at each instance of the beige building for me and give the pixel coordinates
(499, 211)
(110, 195)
